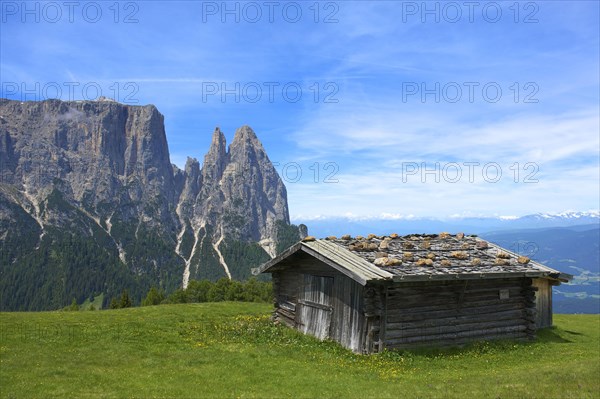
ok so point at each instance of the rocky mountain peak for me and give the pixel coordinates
(192, 166)
(246, 133)
(215, 159)
(218, 144)
(100, 171)
(245, 142)
(192, 176)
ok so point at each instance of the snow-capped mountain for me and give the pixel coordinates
(384, 224)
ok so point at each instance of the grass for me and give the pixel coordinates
(97, 303)
(233, 350)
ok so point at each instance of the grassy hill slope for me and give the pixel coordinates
(233, 350)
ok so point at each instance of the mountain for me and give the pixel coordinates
(325, 226)
(90, 203)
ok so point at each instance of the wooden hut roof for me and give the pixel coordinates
(335, 256)
(418, 257)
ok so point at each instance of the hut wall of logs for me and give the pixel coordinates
(449, 313)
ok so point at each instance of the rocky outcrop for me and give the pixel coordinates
(101, 170)
(100, 155)
(237, 194)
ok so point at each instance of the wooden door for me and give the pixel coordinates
(315, 306)
(348, 326)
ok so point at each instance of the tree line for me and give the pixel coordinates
(199, 291)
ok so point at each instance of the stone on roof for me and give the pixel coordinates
(417, 257)
(439, 255)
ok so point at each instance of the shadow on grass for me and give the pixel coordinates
(574, 332)
(547, 335)
(553, 334)
(478, 347)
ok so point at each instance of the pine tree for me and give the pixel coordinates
(218, 292)
(154, 297)
(125, 301)
(178, 296)
(74, 306)
(114, 304)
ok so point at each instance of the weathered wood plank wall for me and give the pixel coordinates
(300, 303)
(374, 305)
(348, 316)
(456, 312)
(314, 304)
(286, 289)
(543, 302)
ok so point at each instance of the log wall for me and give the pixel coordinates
(456, 312)
(374, 305)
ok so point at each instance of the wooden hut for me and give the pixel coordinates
(408, 291)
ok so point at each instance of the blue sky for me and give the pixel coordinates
(404, 108)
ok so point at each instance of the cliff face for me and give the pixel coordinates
(94, 148)
(98, 174)
(240, 184)
(237, 195)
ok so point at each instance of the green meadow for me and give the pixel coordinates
(233, 350)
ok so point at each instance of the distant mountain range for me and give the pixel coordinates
(567, 241)
(326, 226)
(90, 204)
(574, 250)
